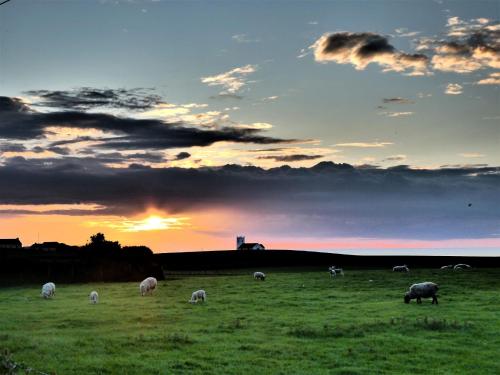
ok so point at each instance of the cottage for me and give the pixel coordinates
(10, 243)
(241, 245)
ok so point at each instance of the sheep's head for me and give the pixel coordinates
(407, 297)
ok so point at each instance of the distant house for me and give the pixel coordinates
(47, 246)
(10, 243)
(241, 245)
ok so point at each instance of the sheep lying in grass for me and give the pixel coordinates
(147, 286)
(403, 268)
(94, 297)
(259, 276)
(448, 267)
(336, 270)
(48, 290)
(198, 295)
(422, 290)
(462, 266)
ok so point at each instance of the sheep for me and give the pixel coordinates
(333, 273)
(448, 267)
(93, 297)
(337, 270)
(198, 295)
(147, 286)
(403, 268)
(461, 266)
(422, 290)
(259, 276)
(48, 290)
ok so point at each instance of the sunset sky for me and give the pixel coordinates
(303, 125)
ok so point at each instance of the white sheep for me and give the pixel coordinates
(48, 290)
(94, 297)
(198, 295)
(422, 290)
(147, 286)
(333, 273)
(462, 266)
(259, 276)
(447, 267)
(403, 268)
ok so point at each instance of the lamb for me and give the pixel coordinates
(147, 286)
(403, 268)
(48, 290)
(461, 266)
(422, 290)
(259, 276)
(94, 297)
(448, 267)
(198, 295)
(337, 270)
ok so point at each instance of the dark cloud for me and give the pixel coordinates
(397, 100)
(467, 47)
(361, 49)
(19, 123)
(291, 158)
(182, 155)
(85, 98)
(325, 200)
(12, 147)
(226, 96)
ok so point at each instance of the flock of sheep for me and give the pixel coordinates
(417, 291)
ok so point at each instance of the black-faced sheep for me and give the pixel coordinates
(259, 276)
(336, 271)
(147, 286)
(403, 268)
(422, 290)
(197, 296)
(48, 290)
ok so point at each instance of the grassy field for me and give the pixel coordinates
(293, 323)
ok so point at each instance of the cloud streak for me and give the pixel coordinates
(232, 81)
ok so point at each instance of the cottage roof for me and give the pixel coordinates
(10, 241)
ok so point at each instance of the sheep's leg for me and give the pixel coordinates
(434, 300)
(419, 300)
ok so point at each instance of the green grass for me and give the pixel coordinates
(293, 323)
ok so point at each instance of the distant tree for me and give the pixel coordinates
(99, 244)
(97, 239)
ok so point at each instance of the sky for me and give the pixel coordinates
(305, 125)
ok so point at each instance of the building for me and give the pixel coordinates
(10, 243)
(241, 245)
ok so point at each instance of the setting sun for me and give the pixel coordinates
(150, 223)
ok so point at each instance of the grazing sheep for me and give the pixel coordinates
(94, 297)
(198, 295)
(147, 286)
(448, 267)
(403, 268)
(337, 270)
(462, 266)
(259, 276)
(422, 290)
(48, 290)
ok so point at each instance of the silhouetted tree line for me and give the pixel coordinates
(97, 260)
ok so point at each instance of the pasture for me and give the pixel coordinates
(296, 322)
